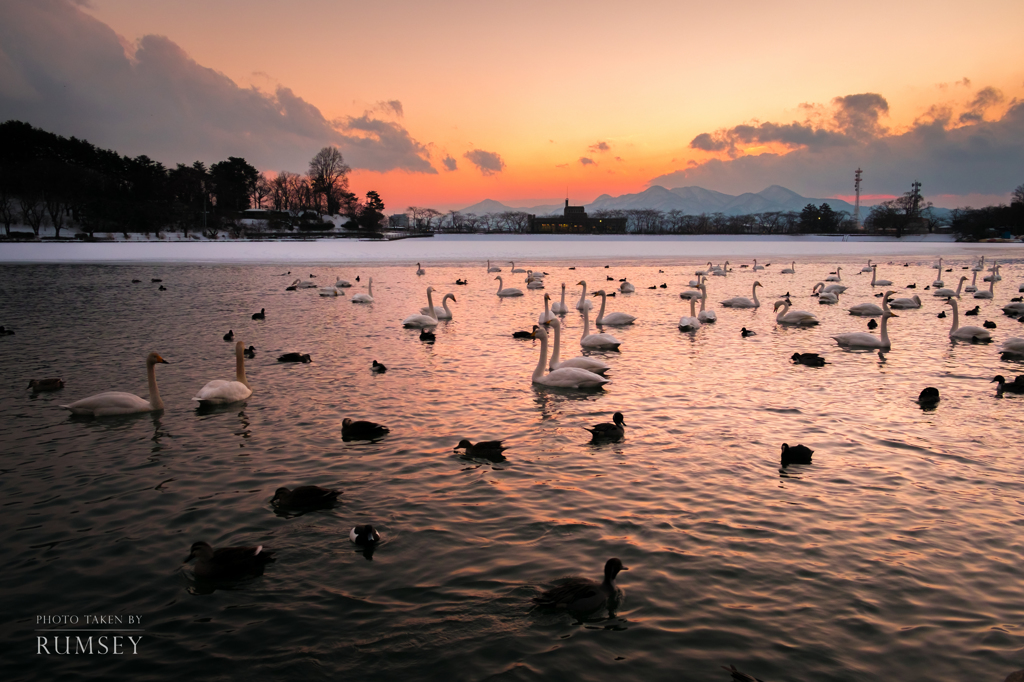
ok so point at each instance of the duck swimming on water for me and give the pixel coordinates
(608, 432)
(798, 454)
(228, 563)
(582, 595)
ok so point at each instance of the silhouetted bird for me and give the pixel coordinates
(136, 281)
(582, 595)
(486, 449)
(261, 315)
(608, 432)
(4, 331)
(230, 336)
(747, 332)
(357, 278)
(809, 359)
(872, 324)
(912, 286)
(250, 352)
(162, 288)
(1016, 387)
(155, 280)
(942, 315)
(973, 311)
(364, 535)
(228, 563)
(929, 396)
(361, 430)
(304, 497)
(294, 357)
(989, 324)
(798, 454)
(378, 367)
(663, 286)
(427, 336)
(52, 384)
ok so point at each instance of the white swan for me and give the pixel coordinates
(514, 268)
(791, 270)
(443, 312)
(721, 271)
(493, 268)
(691, 323)
(420, 270)
(596, 341)
(687, 295)
(907, 303)
(1013, 346)
(565, 377)
(743, 301)
(367, 297)
(534, 283)
(705, 315)
(866, 268)
(832, 288)
(823, 295)
(995, 276)
(423, 320)
(950, 292)
(116, 402)
(972, 287)
(878, 282)
(866, 340)
(505, 293)
(547, 314)
(590, 364)
(938, 278)
(560, 308)
(626, 288)
(800, 318)
(584, 303)
(331, 291)
(342, 284)
(611, 319)
(968, 333)
(307, 284)
(701, 273)
(221, 392)
(836, 277)
(1014, 309)
(870, 309)
(986, 294)
(756, 266)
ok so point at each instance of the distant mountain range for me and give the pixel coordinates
(690, 200)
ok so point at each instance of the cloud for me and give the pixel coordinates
(584, 161)
(488, 163)
(392, 106)
(64, 71)
(599, 147)
(984, 156)
(449, 163)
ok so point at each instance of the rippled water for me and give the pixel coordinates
(896, 555)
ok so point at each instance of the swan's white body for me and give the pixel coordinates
(505, 293)
(721, 271)
(791, 270)
(331, 291)
(827, 296)
(547, 314)
(514, 268)
(743, 301)
(611, 319)
(584, 303)
(836, 277)
(596, 341)
(938, 278)
(995, 276)
(800, 318)
(423, 320)
(691, 323)
(949, 292)
(968, 333)
(560, 308)
(706, 315)
(906, 303)
(222, 392)
(565, 377)
(307, 284)
(590, 364)
(756, 266)
(420, 270)
(1013, 345)
(989, 293)
(1014, 308)
(865, 340)
(342, 284)
(114, 403)
(534, 284)
(972, 287)
(866, 268)
(443, 312)
(493, 268)
(626, 288)
(367, 297)
(875, 282)
(695, 283)
(869, 309)
(701, 273)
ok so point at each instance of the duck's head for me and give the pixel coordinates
(999, 379)
(155, 359)
(200, 549)
(464, 443)
(539, 332)
(612, 568)
(619, 419)
(279, 493)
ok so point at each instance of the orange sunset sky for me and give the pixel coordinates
(444, 104)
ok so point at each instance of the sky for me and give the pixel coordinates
(443, 104)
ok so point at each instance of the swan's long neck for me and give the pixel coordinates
(703, 296)
(547, 310)
(239, 365)
(874, 274)
(956, 317)
(600, 315)
(693, 307)
(586, 324)
(500, 287)
(369, 287)
(885, 304)
(583, 296)
(444, 302)
(992, 283)
(757, 304)
(839, 274)
(885, 330)
(974, 279)
(154, 393)
(782, 313)
(430, 305)
(563, 294)
(558, 345)
(793, 266)
(960, 286)
(539, 371)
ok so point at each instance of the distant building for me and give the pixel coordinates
(574, 220)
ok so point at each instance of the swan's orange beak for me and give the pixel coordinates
(160, 359)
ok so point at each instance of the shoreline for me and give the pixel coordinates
(461, 247)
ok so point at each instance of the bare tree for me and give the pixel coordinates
(328, 177)
(8, 213)
(1017, 196)
(261, 190)
(31, 211)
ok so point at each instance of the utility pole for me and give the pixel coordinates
(915, 196)
(856, 205)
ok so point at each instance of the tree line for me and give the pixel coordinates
(72, 185)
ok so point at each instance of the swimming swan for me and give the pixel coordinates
(968, 333)
(590, 364)
(505, 293)
(367, 297)
(906, 303)
(560, 308)
(443, 312)
(691, 323)
(866, 340)
(116, 402)
(422, 320)
(878, 282)
(584, 303)
(791, 270)
(800, 318)
(596, 341)
(221, 392)
(611, 319)
(949, 292)
(705, 315)
(743, 301)
(566, 377)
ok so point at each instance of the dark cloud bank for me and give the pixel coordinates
(66, 72)
(949, 153)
